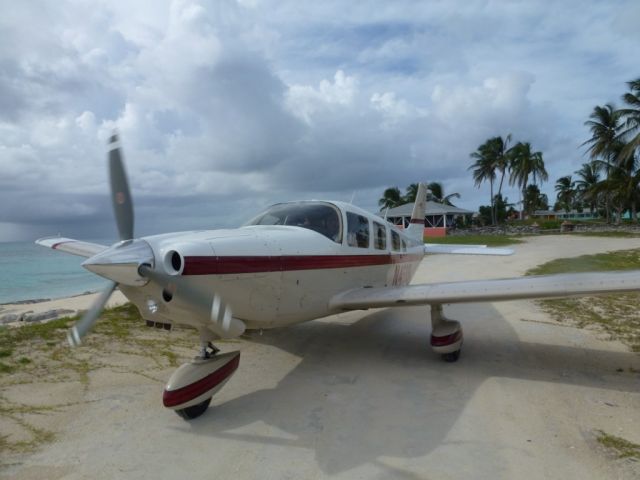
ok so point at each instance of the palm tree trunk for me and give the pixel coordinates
(493, 207)
(607, 195)
(634, 212)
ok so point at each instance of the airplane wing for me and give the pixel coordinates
(543, 286)
(465, 249)
(75, 247)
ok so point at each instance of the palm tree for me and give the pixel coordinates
(436, 193)
(490, 157)
(631, 117)
(566, 192)
(412, 193)
(605, 127)
(484, 170)
(586, 184)
(623, 184)
(391, 198)
(524, 164)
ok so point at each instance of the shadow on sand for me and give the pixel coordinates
(373, 387)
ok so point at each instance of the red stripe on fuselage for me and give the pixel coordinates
(229, 265)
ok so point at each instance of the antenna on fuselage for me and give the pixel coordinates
(353, 196)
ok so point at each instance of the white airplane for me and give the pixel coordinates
(291, 263)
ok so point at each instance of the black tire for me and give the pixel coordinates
(194, 411)
(451, 357)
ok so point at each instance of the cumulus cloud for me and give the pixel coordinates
(225, 106)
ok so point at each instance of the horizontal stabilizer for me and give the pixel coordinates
(544, 286)
(74, 247)
(465, 249)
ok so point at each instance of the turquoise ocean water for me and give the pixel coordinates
(29, 271)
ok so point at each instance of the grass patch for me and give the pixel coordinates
(36, 351)
(488, 240)
(623, 448)
(616, 314)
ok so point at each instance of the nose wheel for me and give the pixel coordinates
(194, 411)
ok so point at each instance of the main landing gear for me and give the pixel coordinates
(190, 388)
(446, 335)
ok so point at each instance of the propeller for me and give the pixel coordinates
(130, 252)
(120, 194)
(80, 329)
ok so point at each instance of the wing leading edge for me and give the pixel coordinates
(544, 286)
(69, 245)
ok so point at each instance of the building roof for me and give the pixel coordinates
(433, 208)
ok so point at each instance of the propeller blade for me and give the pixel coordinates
(215, 308)
(80, 329)
(120, 194)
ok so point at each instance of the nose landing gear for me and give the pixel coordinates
(190, 388)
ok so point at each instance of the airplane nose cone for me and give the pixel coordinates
(120, 262)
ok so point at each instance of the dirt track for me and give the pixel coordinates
(361, 395)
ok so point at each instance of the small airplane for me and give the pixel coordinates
(291, 263)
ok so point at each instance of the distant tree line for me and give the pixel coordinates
(495, 160)
(392, 197)
(610, 181)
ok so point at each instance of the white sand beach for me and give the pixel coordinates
(357, 395)
(67, 306)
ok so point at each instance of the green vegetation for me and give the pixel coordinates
(392, 197)
(38, 352)
(495, 157)
(488, 240)
(614, 151)
(616, 314)
(623, 448)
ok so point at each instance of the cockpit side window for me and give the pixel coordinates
(379, 236)
(357, 230)
(319, 217)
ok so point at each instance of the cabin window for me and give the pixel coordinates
(395, 241)
(319, 217)
(379, 236)
(404, 246)
(357, 230)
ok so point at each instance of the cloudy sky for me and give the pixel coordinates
(225, 107)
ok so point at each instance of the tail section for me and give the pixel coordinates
(416, 227)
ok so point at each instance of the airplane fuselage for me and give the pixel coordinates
(277, 275)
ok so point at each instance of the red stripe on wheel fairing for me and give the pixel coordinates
(446, 340)
(228, 265)
(173, 398)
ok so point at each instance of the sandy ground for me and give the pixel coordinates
(361, 395)
(75, 304)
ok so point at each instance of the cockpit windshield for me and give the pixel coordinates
(319, 217)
